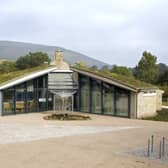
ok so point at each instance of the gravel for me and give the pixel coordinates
(13, 133)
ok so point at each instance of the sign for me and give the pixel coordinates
(42, 99)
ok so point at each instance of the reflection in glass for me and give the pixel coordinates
(96, 96)
(20, 98)
(84, 97)
(68, 103)
(50, 101)
(42, 93)
(108, 99)
(30, 97)
(122, 103)
(8, 101)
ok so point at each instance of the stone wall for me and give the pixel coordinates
(146, 104)
(159, 100)
(149, 103)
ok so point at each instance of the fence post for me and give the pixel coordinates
(160, 150)
(148, 150)
(163, 146)
(152, 143)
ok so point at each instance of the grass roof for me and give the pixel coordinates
(125, 80)
(128, 81)
(6, 77)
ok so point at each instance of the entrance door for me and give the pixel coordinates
(68, 101)
(58, 103)
(63, 103)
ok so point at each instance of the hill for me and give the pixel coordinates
(162, 68)
(10, 50)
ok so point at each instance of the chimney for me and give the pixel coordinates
(59, 57)
(59, 61)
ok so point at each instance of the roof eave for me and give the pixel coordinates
(24, 78)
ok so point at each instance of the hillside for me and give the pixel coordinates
(162, 68)
(11, 50)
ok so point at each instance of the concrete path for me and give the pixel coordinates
(165, 107)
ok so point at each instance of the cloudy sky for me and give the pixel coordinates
(113, 31)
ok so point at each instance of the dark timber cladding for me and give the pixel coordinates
(96, 96)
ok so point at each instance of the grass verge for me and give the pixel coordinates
(165, 103)
(161, 116)
(66, 116)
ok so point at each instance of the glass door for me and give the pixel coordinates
(62, 104)
(58, 103)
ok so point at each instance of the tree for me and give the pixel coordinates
(163, 78)
(32, 60)
(94, 67)
(105, 68)
(147, 69)
(122, 70)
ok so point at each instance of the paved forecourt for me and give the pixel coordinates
(29, 141)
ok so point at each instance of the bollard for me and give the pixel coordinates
(160, 150)
(163, 146)
(148, 150)
(152, 143)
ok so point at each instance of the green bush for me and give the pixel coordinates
(7, 66)
(32, 60)
(66, 116)
(161, 116)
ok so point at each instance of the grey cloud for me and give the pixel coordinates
(112, 31)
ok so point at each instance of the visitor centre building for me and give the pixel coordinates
(62, 88)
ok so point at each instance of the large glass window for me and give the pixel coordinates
(30, 97)
(27, 97)
(108, 99)
(20, 98)
(96, 96)
(42, 89)
(84, 94)
(8, 101)
(122, 107)
(50, 101)
(76, 102)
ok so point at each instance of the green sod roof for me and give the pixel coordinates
(128, 81)
(7, 77)
(125, 80)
